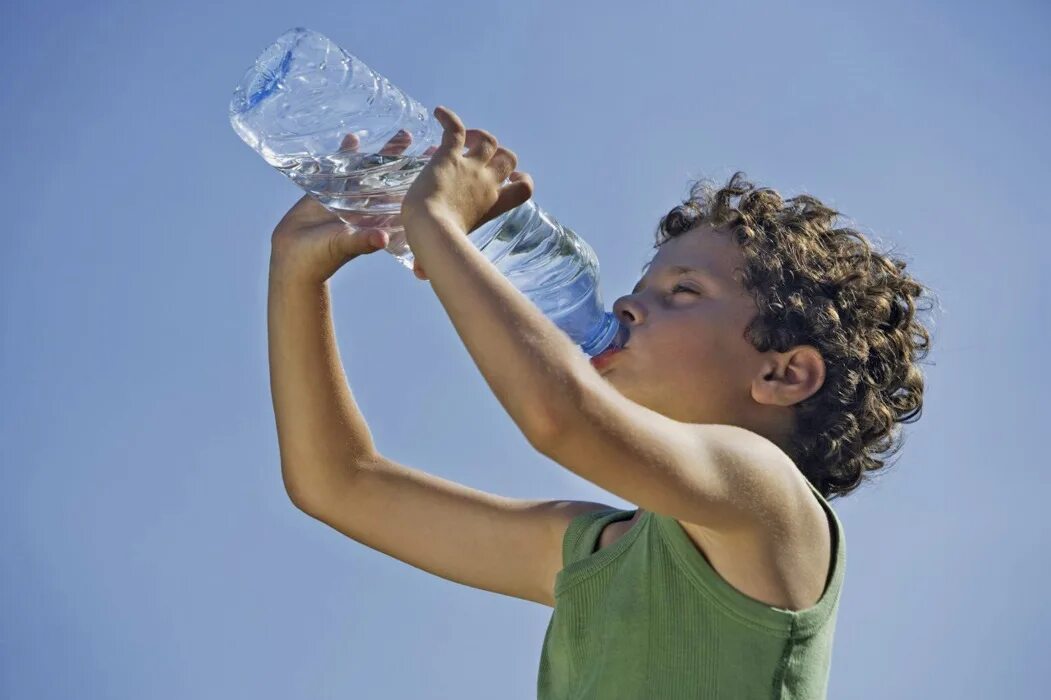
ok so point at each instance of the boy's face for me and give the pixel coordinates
(687, 356)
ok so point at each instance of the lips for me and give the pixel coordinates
(602, 359)
(619, 344)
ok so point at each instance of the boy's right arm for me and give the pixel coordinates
(504, 545)
(332, 471)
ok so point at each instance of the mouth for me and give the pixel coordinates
(603, 358)
(619, 344)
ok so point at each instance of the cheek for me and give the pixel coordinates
(686, 362)
(692, 350)
(706, 354)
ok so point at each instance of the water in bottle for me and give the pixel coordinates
(296, 105)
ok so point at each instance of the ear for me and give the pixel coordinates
(787, 378)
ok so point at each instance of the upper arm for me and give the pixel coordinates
(719, 476)
(504, 545)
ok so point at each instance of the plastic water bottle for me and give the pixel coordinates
(302, 97)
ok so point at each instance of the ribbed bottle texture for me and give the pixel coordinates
(296, 105)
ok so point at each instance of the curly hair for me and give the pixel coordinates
(830, 289)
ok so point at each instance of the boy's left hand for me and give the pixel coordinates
(465, 188)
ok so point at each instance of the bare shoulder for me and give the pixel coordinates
(783, 557)
(753, 477)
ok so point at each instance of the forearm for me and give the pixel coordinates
(321, 433)
(531, 365)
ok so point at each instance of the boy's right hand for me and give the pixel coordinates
(310, 243)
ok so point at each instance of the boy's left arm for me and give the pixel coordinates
(713, 475)
(530, 364)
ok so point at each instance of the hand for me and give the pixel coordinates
(465, 188)
(312, 243)
(395, 147)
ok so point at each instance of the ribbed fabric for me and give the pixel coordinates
(648, 617)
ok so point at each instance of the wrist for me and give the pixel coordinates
(284, 274)
(430, 216)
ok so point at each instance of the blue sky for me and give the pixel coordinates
(149, 548)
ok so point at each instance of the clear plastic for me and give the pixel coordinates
(297, 106)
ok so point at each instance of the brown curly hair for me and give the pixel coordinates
(828, 288)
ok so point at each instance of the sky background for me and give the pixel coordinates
(149, 549)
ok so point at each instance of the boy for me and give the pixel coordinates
(769, 360)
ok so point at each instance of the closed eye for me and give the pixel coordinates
(679, 286)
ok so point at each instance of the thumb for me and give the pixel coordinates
(365, 241)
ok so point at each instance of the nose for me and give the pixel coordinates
(628, 310)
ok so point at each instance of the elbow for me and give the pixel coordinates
(538, 427)
(297, 497)
(542, 436)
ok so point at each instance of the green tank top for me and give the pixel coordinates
(648, 617)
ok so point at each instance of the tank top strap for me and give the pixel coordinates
(583, 532)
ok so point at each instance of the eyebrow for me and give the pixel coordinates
(680, 269)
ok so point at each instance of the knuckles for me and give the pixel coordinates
(510, 155)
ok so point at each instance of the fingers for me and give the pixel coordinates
(350, 143)
(395, 146)
(480, 144)
(454, 134)
(510, 196)
(503, 163)
(516, 193)
(523, 179)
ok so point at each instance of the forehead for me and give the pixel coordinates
(709, 251)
